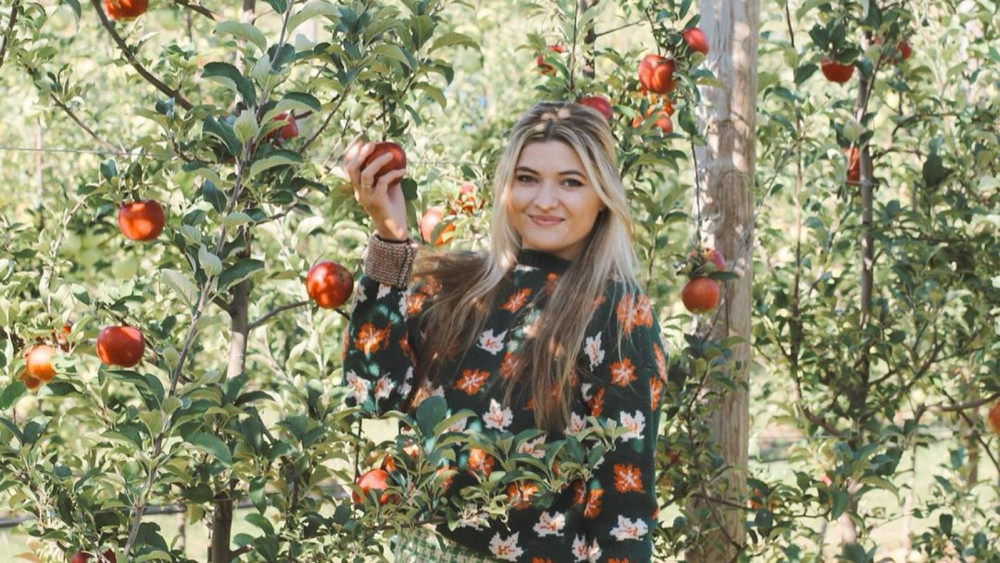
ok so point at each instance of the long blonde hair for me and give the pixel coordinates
(470, 284)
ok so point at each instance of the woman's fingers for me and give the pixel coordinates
(354, 158)
(381, 188)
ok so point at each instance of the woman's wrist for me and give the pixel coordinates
(389, 262)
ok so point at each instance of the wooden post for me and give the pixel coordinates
(725, 209)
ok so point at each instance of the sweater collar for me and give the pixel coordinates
(542, 260)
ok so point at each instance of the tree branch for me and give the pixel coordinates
(196, 8)
(145, 74)
(10, 30)
(59, 103)
(326, 122)
(274, 312)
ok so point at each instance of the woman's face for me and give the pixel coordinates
(552, 204)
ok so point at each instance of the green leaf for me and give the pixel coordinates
(310, 11)
(282, 159)
(257, 496)
(223, 132)
(238, 272)
(299, 100)
(108, 169)
(11, 393)
(211, 445)
(229, 76)
(431, 411)
(214, 196)
(934, 171)
(244, 31)
(75, 6)
(246, 127)
(393, 52)
(13, 428)
(280, 6)
(453, 38)
(421, 29)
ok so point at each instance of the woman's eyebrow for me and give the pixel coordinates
(563, 173)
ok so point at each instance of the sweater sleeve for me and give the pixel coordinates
(627, 386)
(381, 345)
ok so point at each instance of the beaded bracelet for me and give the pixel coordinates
(389, 262)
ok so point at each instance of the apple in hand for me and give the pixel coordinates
(398, 161)
(329, 284)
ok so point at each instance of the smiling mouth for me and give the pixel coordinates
(545, 220)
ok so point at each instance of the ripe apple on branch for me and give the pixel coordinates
(706, 270)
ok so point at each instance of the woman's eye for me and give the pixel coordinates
(573, 183)
(525, 179)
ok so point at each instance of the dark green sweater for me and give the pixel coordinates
(610, 518)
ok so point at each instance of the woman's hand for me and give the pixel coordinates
(381, 200)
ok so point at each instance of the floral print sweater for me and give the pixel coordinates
(608, 519)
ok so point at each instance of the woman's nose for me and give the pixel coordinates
(547, 195)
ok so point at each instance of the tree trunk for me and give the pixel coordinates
(239, 312)
(724, 208)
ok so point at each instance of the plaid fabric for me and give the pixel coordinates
(423, 545)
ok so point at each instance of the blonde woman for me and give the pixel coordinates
(546, 328)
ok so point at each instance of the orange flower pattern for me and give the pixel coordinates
(628, 478)
(520, 494)
(371, 339)
(517, 300)
(480, 462)
(593, 508)
(623, 372)
(637, 312)
(606, 518)
(472, 381)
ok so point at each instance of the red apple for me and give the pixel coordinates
(853, 166)
(700, 295)
(329, 284)
(467, 202)
(429, 221)
(38, 362)
(599, 103)
(994, 418)
(656, 74)
(125, 10)
(374, 480)
(696, 40)
(83, 557)
(398, 161)
(120, 346)
(905, 50)
(663, 120)
(289, 130)
(141, 220)
(836, 72)
(544, 67)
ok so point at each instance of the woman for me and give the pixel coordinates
(546, 328)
